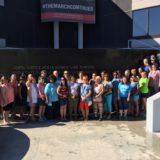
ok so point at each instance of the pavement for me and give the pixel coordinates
(90, 140)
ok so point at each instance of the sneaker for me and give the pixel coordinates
(100, 119)
(41, 119)
(108, 117)
(44, 118)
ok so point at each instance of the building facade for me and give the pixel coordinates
(146, 24)
(21, 26)
(119, 24)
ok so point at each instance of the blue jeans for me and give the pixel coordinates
(124, 105)
(107, 100)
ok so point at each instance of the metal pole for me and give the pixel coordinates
(80, 35)
(56, 34)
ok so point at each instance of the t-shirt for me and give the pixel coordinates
(146, 68)
(84, 90)
(73, 88)
(144, 82)
(51, 91)
(134, 88)
(41, 88)
(124, 89)
(115, 83)
(107, 87)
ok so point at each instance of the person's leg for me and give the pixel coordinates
(100, 107)
(144, 103)
(61, 112)
(105, 105)
(126, 105)
(121, 107)
(109, 105)
(137, 107)
(75, 108)
(82, 108)
(95, 109)
(32, 111)
(64, 111)
(40, 112)
(71, 103)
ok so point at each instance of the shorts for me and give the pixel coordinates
(84, 105)
(41, 102)
(8, 107)
(63, 102)
(144, 95)
(135, 98)
(124, 105)
(32, 104)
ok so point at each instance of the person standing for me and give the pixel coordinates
(7, 98)
(154, 80)
(97, 98)
(134, 95)
(107, 96)
(73, 97)
(85, 94)
(51, 97)
(144, 90)
(124, 92)
(41, 98)
(32, 96)
(115, 82)
(62, 91)
(22, 95)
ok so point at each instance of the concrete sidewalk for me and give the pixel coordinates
(92, 140)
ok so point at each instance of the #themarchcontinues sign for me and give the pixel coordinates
(68, 11)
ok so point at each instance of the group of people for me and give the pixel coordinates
(70, 97)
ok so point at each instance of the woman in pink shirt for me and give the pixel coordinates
(154, 80)
(7, 98)
(41, 98)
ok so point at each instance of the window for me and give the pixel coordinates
(140, 23)
(154, 21)
(1, 2)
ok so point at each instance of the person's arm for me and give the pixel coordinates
(29, 91)
(46, 93)
(58, 91)
(129, 95)
(159, 77)
(3, 93)
(101, 92)
(89, 94)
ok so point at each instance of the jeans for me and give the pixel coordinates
(108, 103)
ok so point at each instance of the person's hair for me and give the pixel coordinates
(103, 71)
(43, 71)
(52, 77)
(4, 78)
(22, 78)
(106, 74)
(125, 78)
(85, 76)
(65, 82)
(41, 78)
(81, 72)
(98, 77)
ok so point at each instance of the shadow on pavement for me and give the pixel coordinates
(37, 124)
(13, 144)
